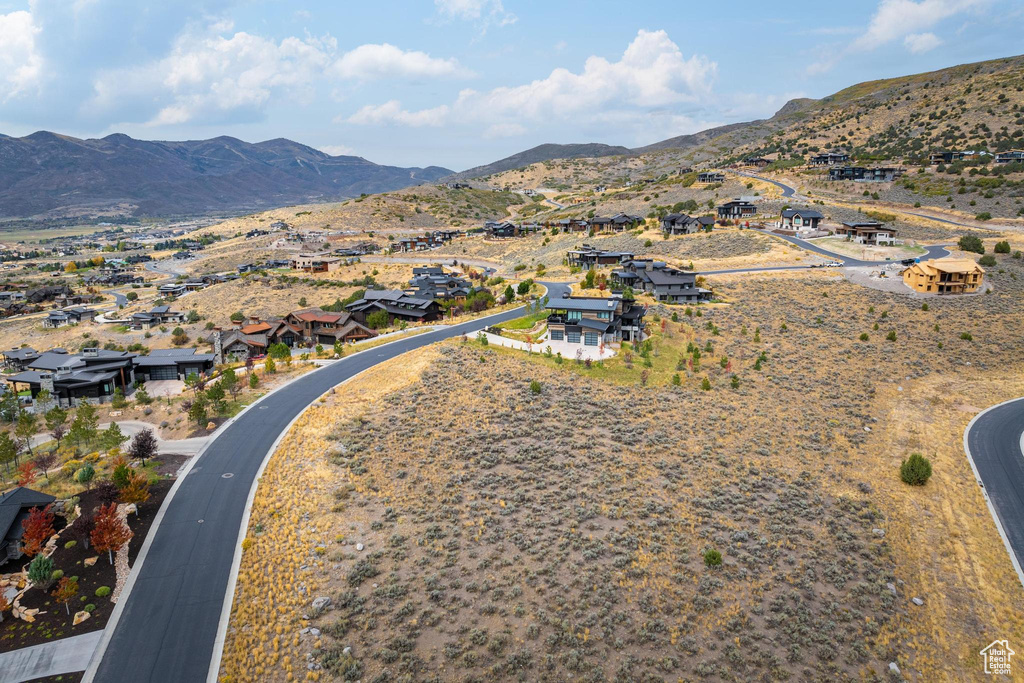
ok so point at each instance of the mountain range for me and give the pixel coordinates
(46, 174)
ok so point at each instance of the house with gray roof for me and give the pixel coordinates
(92, 375)
(67, 316)
(664, 283)
(432, 282)
(397, 304)
(800, 219)
(158, 315)
(592, 321)
(683, 224)
(163, 364)
(15, 506)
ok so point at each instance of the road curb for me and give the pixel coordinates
(984, 491)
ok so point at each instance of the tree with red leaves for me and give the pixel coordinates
(110, 532)
(65, 592)
(38, 529)
(26, 473)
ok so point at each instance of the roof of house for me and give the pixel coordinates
(950, 265)
(255, 328)
(20, 354)
(803, 213)
(580, 303)
(12, 503)
(164, 357)
(863, 225)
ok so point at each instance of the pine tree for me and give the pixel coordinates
(110, 532)
(25, 429)
(40, 571)
(112, 437)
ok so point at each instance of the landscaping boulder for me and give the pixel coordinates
(80, 617)
(321, 603)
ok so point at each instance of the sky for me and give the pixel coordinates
(458, 83)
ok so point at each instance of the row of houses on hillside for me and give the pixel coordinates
(361, 249)
(428, 240)
(252, 337)
(176, 289)
(948, 157)
(509, 230)
(94, 374)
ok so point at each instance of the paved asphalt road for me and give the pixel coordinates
(994, 445)
(787, 191)
(170, 620)
(937, 251)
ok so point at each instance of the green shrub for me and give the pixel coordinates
(924, 307)
(89, 608)
(102, 591)
(966, 336)
(915, 470)
(971, 243)
(535, 386)
(864, 336)
(70, 544)
(891, 336)
(712, 558)
(988, 260)
(705, 384)
(1002, 247)
(57, 575)
(983, 216)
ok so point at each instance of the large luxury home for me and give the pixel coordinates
(829, 159)
(800, 219)
(710, 177)
(589, 257)
(594, 321)
(432, 282)
(617, 223)
(880, 174)
(95, 374)
(661, 281)
(944, 276)
(683, 224)
(397, 304)
(252, 337)
(737, 208)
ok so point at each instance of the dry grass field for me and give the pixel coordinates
(515, 535)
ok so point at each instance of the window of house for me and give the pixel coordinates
(604, 315)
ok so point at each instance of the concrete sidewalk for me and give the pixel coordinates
(49, 659)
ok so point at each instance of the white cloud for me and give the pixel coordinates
(921, 42)
(651, 73)
(895, 19)
(368, 62)
(504, 130)
(21, 65)
(392, 113)
(338, 150)
(906, 20)
(475, 10)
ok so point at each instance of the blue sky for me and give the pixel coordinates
(458, 82)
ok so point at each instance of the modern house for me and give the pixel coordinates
(878, 175)
(594, 321)
(829, 159)
(588, 257)
(92, 375)
(158, 315)
(572, 225)
(315, 263)
(944, 276)
(664, 283)
(867, 232)
(15, 506)
(18, 359)
(945, 157)
(178, 364)
(617, 223)
(397, 304)
(67, 316)
(432, 282)
(171, 289)
(800, 219)
(682, 224)
(737, 208)
(760, 162)
(1012, 156)
(710, 177)
(501, 229)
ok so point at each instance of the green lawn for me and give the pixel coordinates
(524, 323)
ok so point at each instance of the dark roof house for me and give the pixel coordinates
(15, 506)
(661, 281)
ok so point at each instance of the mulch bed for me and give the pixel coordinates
(56, 623)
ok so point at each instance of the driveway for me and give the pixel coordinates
(167, 626)
(159, 388)
(49, 659)
(994, 443)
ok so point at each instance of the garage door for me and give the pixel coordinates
(590, 339)
(163, 373)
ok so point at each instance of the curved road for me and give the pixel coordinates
(934, 251)
(994, 442)
(787, 191)
(170, 619)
